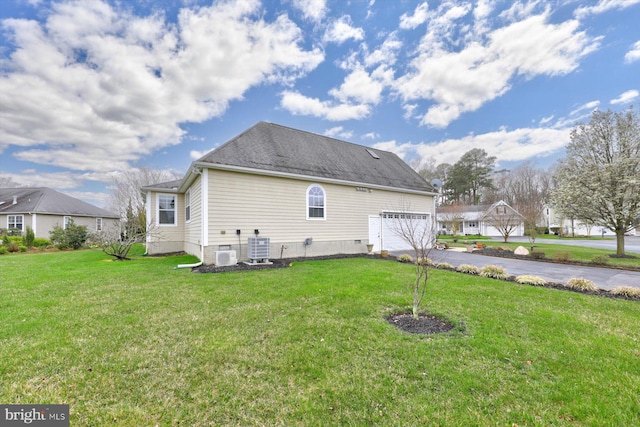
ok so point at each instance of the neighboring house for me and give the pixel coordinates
(309, 194)
(43, 208)
(558, 224)
(484, 220)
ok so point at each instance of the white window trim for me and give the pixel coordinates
(324, 196)
(187, 206)
(175, 208)
(65, 221)
(99, 221)
(14, 221)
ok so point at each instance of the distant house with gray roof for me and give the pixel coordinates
(308, 194)
(484, 220)
(42, 209)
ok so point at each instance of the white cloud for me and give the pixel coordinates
(516, 145)
(626, 97)
(33, 178)
(419, 17)
(195, 154)
(95, 88)
(354, 99)
(370, 135)
(339, 132)
(604, 6)
(588, 107)
(385, 53)
(545, 120)
(634, 54)
(97, 199)
(462, 80)
(313, 10)
(359, 87)
(299, 104)
(341, 30)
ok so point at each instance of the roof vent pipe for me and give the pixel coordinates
(15, 200)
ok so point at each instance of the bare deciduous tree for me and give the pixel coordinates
(527, 189)
(452, 216)
(117, 240)
(418, 231)
(126, 194)
(504, 219)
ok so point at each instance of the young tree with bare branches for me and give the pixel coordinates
(418, 231)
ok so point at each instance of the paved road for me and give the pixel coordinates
(631, 243)
(604, 278)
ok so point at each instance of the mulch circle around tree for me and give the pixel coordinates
(425, 324)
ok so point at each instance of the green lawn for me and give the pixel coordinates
(140, 344)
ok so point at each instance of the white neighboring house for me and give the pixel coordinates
(558, 223)
(308, 194)
(483, 220)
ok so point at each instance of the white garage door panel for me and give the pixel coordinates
(391, 240)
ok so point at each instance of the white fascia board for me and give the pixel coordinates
(241, 169)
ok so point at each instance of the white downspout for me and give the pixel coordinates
(204, 227)
(147, 209)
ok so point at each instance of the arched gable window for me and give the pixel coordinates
(316, 208)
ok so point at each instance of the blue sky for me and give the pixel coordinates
(90, 88)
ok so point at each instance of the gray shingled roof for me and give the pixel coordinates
(44, 200)
(277, 148)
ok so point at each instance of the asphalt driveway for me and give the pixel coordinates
(604, 278)
(631, 243)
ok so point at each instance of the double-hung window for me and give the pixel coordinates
(166, 209)
(15, 221)
(316, 208)
(65, 222)
(98, 224)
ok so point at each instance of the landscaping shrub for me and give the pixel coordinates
(468, 269)
(424, 261)
(537, 255)
(562, 256)
(3, 250)
(405, 258)
(600, 260)
(72, 237)
(527, 279)
(41, 242)
(627, 291)
(22, 248)
(581, 284)
(5, 240)
(13, 247)
(494, 272)
(28, 237)
(445, 265)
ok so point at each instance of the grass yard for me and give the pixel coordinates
(141, 344)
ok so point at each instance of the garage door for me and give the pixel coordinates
(384, 230)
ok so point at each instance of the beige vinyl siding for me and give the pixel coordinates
(277, 207)
(166, 238)
(193, 228)
(44, 223)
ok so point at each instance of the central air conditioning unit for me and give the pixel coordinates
(224, 258)
(258, 250)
